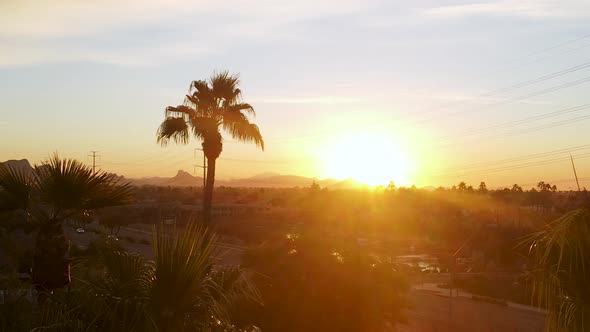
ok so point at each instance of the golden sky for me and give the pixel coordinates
(427, 94)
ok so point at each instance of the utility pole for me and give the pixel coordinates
(204, 167)
(94, 155)
(575, 174)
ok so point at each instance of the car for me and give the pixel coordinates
(80, 230)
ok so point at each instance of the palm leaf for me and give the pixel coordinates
(16, 187)
(182, 264)
(562, 253)
(225, 87)
(67, 184)
(240, 128)
(175, 129)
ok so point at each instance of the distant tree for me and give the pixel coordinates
(211, 107)
(470, 189)
(482, 188)
(462, 186)
(391, 186)
(315, 186)
(545, 187)
(516, 188)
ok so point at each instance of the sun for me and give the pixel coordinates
(369, 158)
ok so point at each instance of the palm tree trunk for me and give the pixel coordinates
(208, 199)
(51, 268)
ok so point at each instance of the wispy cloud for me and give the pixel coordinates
(147, 31)
(326, 100)
(532, 9)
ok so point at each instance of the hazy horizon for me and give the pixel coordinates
(431, 93)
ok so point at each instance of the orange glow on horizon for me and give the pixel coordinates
(370, 158)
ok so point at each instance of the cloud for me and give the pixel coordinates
(145, 32)
(531, 9)
(326, 100)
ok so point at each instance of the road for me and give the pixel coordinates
(225, 253)
(431, 312)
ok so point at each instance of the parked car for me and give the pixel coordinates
(80, 230)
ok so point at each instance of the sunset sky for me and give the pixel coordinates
(413, 90)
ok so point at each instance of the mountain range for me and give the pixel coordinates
(268, 180)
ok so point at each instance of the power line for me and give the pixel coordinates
(509, 101)
(485, 107)
(517, 122)
(513, 159)
(514, 86)
(524, 131)
(567, 42)
(512, 167)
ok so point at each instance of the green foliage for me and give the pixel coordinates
(312, 282)
(562, 254)
(181, 290)
(52, 192)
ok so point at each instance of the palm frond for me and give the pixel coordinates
(201, 99)
(106, 189)
(180, 111)
(67, 184)
(240, 128)
(233, 288)
(183, 263)
(63, 183)
(225, 87)
(562, 253)
(175, 129)
(241, 107)
(16, 186)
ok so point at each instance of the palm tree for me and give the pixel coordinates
(181, 290)
(209, 108)
(562, 255)
(51, 193)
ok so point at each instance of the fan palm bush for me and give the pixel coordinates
(562, 272)
(180, 290)
(47, 196)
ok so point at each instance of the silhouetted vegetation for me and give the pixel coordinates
(209, 108)
(56, 190)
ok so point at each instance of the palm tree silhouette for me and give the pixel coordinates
(53, 192)
(209, 108)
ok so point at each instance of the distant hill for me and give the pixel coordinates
(181, 179)
(19, 164)
(267, 179)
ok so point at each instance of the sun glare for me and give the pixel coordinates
(369, 158)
